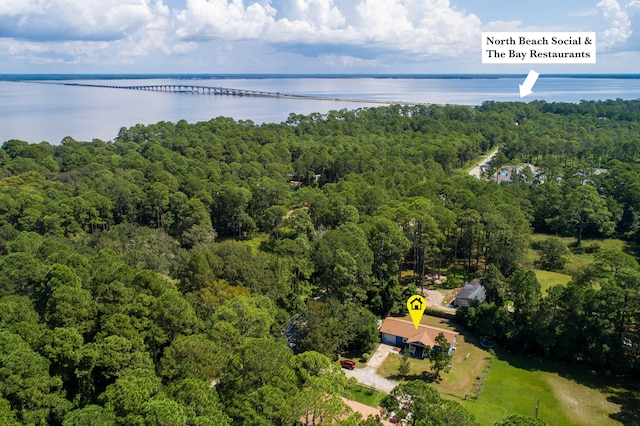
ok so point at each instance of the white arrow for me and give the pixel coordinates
(527, 84)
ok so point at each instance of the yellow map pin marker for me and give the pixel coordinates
(416, 305)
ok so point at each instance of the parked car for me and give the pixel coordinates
(348, 364)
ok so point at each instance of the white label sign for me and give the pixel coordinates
(539, 48)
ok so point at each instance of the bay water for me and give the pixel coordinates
(39, 108)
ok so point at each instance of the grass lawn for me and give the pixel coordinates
(580, 260)
(548, 279)
(389, 367)
(364, 395)
(568, 395)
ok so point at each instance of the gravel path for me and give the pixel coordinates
(434, 300)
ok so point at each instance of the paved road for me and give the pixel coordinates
(477, 170)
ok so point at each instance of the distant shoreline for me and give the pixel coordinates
(53, 111)
(196, 76)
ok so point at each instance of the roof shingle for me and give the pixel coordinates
(425, 334)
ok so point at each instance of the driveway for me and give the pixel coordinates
(369, 376)
(434, 300)
(380, 355)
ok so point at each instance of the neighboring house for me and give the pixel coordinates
(471, 292)
(503, 176)
(586, 174)
(399, 332)
(507, 173)
(600, 171)
(536, 172)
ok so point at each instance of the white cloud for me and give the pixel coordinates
(211, 19)
(184, 48)
(592, 11)
(55, 20)
(634, 6)
(617, 19)
(320, 13)
(421, 27)
(347, 29)
(351, 62)
(449, 30)
(67, 31)
(19, 7)
(67, 52)
(339, 33)
(383, 21)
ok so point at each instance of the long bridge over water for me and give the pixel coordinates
(208, 90)
(190, 89)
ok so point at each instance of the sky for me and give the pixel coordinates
(299, 36)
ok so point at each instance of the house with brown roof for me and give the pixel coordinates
(403, 333)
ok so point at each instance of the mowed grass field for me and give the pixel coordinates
(512, 384)
(568, 395)
(580, 260)
(364, 395)
(577, 261)
(548, 279)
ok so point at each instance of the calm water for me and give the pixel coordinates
(35, 111)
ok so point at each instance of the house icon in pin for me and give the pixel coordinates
(416, 304)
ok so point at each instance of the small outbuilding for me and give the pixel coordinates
(471, 292)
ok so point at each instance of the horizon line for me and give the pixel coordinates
(13, 76)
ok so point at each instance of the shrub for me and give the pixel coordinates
(592, 248)
(554, 254)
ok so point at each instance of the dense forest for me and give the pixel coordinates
(210, 273)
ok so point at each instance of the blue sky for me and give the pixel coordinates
(299, 36)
